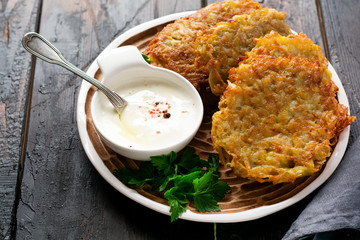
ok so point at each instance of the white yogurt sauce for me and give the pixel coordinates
(157, 114)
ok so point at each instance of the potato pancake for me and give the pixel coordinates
(276, 45)
(173, 47)
(221, 47)
(278, 118)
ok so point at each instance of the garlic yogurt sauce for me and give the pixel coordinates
(158, 114)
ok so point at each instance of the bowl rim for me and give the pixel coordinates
(157, 74)
(243, 216)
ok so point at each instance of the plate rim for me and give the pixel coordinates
(243, 216)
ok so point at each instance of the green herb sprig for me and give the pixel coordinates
(146, 58)
(183, 179)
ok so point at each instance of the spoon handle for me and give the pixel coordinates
(43, 49)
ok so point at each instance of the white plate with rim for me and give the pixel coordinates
(246, 215)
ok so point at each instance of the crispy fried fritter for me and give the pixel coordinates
(277, 119)
(220, 48)
(173, 47)
(276, 45)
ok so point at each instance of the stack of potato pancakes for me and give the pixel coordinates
(278, 116)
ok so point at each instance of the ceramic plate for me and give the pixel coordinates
(248, 200)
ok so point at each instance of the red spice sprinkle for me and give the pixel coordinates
(184, 111)
(160, 109)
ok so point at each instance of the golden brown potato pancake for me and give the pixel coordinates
(173, 47)
(277, 119)
(276, 45)
(221, 47)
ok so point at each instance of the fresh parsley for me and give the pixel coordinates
(183, 179)
(146, 58)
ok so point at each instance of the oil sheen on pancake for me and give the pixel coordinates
(279, 117)
(221, 47)
(173, 47)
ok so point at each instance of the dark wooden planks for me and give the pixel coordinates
(301, 16)
(342, 30)
(16, 18)
(62, 195)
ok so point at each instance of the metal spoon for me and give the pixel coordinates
(43, 49)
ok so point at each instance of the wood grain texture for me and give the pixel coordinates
(62, 195)
(16, 18)
(301, 16)
(341, 24)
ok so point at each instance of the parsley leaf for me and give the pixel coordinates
(206, 203)
(177, 203)
(213, 163)
(190, 161)
(138, 177)
(146, 58)
(161, 182)
(219, 190)
(165, 163)
(208, 191)
(183, 179)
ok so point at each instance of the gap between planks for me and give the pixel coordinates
(204, 3)
(25, 131)
(322, 28)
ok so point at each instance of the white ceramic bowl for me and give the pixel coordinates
(124, 68)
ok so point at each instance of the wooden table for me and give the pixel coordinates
(48, 187)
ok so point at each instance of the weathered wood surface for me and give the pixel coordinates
(16, 18)
(62, 196)
(341, 22)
